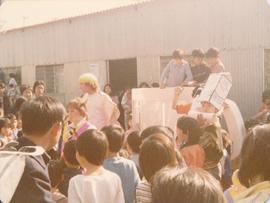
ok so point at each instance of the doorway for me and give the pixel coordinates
(123, 73)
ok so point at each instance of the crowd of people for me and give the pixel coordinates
(92, 157)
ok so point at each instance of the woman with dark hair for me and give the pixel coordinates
(188, 137)
(254, 172)
(109, 91)
(39, 88)
(186, 185)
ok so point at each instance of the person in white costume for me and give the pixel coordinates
(102, 111)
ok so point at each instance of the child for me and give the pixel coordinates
(72, 166)
(125, 168)
(133, 146)
(187, 185)
(5, 131)
(212, 58)
(96, 184)
(13, 125)
(26, 91)
(77, 115)
(199, 69)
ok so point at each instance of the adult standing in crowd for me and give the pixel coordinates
(213, 61)
(177, 71)
(41, 124)
(102, 111)
(199, 69)
(4, 100)
(39, 88)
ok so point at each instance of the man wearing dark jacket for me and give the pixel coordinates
(41, 123)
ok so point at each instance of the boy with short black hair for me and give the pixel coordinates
(213, 60)
(125, 168)
(96, 184)
(199, 70)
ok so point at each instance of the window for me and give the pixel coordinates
(5, 71)
(266, 68)
(53, 76)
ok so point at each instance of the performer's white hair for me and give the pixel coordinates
(91, 79)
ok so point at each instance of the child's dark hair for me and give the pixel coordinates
(56, 171)
(4, 122)
(178, 54)
(115, 136)
(37, 83)
(212, 53)
(167, 131)
(69, 153)
(134, 141)
(186, 185)
(92, 145)
(24, 87)
(190, 127)
(255, 155)
(40, 114)
(198, 53)
(157, 151)
(18, 103)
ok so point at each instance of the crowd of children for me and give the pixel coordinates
(94, 160)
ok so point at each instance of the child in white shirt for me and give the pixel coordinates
(96, 185)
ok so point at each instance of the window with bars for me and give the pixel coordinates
(6, 71)
(53, 76)
(266, 68)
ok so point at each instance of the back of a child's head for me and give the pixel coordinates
(147, 132)
(93, 146)
(134, 141)
(4, 122)
(69, 153)
(40, 114)
(186, 185)
(191, 128)
(156, 152)
(115, 136)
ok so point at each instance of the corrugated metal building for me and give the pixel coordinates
(115, 41)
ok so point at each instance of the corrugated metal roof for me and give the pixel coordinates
(16, 14)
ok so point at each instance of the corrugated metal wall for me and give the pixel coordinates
(241, 29)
